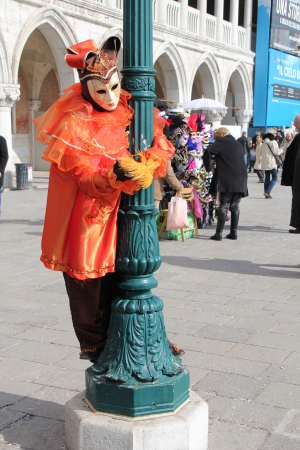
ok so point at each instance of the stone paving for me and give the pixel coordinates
(234, 307)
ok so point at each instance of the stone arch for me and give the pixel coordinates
(5, 71)
(241, 86)
(206, 79)
(51, 22)
(170, 72)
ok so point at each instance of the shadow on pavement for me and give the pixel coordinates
(23, 222)
(233, 266)
(30, 423)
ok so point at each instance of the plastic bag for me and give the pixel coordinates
(197, 205)
(177, 214)
(175, 235)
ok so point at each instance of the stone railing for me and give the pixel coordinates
(154, 10)
(173, 9)
(193, 20)
(211, 26)
(172, 19)
(241, 37)
(227, 27)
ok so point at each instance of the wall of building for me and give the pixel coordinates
(194, 52)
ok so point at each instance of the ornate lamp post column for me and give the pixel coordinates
(136, 374)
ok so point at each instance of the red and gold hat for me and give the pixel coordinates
(92, 62)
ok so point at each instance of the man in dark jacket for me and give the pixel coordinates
(246, 147)
(291, 168)
(230, 179)
(3, 162)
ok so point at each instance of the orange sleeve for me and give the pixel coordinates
(101, 183)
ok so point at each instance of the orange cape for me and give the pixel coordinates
(83, 144)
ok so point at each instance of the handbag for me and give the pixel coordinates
(177, 214)
(277, 159)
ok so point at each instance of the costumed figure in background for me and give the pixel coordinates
(87, 145)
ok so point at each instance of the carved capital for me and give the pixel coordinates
(243, 115)
(8, 94)
(34, 105)
(215, 114)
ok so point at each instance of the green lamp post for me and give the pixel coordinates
(136, 374)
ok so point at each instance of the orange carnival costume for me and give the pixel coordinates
(85, 134)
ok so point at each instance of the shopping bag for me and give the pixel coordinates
(177, 214)
(197, 205)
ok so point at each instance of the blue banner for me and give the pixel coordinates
(283, 102)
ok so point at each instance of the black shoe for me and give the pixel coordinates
(261, 181)
(294, 231)
(91, 355)
(220, 225)
(175, 350)
(267, 196)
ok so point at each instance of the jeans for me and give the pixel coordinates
(246, 159)
(270, 184)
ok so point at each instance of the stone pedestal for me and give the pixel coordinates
(185, 429)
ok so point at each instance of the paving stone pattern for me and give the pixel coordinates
(234, 307)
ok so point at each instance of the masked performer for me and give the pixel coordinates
(87, 145)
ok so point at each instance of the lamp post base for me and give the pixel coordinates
(186, 428)
(136, 399)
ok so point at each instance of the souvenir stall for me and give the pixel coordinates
(190, 141)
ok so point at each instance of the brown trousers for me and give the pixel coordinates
(90, 304)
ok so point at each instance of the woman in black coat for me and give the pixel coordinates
(3, 162)
(230, 179)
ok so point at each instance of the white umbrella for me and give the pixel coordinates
(204, 103)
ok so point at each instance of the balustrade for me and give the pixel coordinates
(211, 26)
(193, 20)
(173, 10)
(154, 10)
(241, 37)
(227, 27)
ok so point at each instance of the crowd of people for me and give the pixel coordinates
(268, 153)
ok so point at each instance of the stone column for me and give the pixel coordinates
(219, 11)
(202, 6)
(183, 14)
(8, 94)
(33, 105)
(247, 23)
(234, 19)
(215, 116)
(162, 11)
(243, 118)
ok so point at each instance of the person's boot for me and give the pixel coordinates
(233, 225)
(220, 225)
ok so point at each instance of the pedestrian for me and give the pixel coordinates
(257, 166)
(252, 158)
(246, 147)
(3, 162)
(269, 148)
(229, 179)
(278, 138)
(257, 134)
(289, 173)
(172, 181)
(286, 142)
(87, 143)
